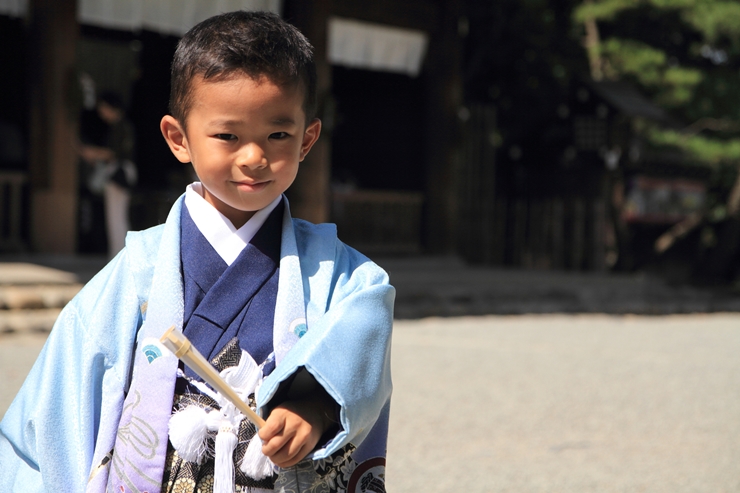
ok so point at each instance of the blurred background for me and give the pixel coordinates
(567, 135)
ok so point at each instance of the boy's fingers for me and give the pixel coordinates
(287, 437)
(273, 426)
(276, 442)
(298, 446)
(292, 451)
(270, 429)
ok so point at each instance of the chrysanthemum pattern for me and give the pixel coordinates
(329, 475)
(183, 485)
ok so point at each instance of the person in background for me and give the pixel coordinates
(106, 149)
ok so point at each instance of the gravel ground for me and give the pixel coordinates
(18, 351)
(566, 404)
(550, 403)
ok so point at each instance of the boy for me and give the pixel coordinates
(297, 322)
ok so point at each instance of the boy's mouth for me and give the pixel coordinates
(250, 186)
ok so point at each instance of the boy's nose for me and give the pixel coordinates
(253, 156)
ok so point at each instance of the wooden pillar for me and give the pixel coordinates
(444, 101)
(53, 159)
(310, 194)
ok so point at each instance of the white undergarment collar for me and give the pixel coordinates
(218, 230)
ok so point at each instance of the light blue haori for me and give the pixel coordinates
(82, 401)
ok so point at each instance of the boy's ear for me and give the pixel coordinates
(175, 137)
(310, 136)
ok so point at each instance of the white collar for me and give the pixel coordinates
(218, 230)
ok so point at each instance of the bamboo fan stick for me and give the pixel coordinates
(182, 348)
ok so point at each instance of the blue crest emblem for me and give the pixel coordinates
(299, 327)
(300, 330)
(152, 352)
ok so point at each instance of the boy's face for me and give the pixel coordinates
(245, 138)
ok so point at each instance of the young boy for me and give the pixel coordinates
(297, 322)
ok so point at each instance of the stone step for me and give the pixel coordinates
(41, 296)
(28, 321)
(15, 273)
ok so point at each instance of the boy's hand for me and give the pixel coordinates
(294, 428)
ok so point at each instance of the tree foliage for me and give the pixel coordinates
(686, 55)
(523, 57)
(714, 19)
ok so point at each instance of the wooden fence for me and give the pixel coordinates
(560, 231)
(376, 221)
(479, 230)
(542, 233)
(555, 233)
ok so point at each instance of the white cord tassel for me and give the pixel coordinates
(188, 430)
(223, 474)
(190, 427)
(255, 464)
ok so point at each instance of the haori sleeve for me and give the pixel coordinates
(347, 348)
(70, 402)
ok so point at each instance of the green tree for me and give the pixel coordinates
(682, 52)
(686, 55)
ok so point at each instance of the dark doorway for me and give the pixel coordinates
(378, 160)
(378, 140)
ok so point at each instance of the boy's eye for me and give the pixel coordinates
(226, 136)
(279, 135)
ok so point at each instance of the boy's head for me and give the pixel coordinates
(243, 97)
(256, 44)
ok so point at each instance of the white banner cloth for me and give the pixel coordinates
(165, 16)
(376, 46)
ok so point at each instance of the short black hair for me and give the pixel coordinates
(254, 43)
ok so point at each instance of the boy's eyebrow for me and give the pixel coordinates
(283, 121)
(277, 121)
(223, 122)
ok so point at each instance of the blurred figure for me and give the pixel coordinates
(108, 173)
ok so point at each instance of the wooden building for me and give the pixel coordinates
(597, 198)
(385, 168)
(405, 165)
